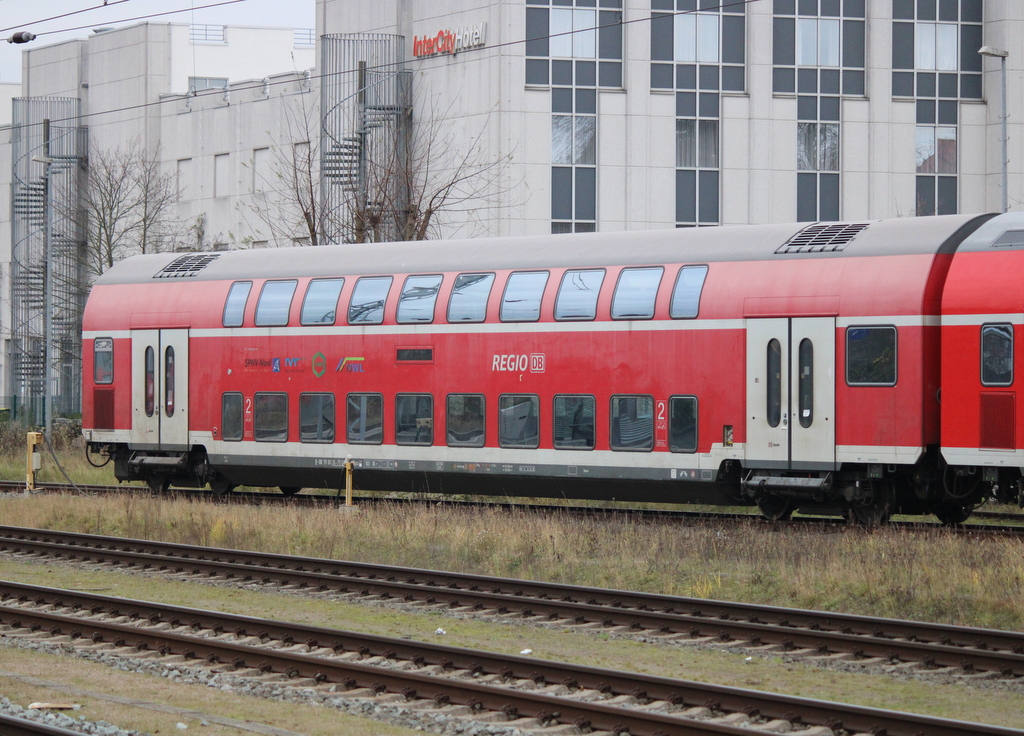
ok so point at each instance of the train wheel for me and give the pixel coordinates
(158, 483)
(290, 490)
(952, 514)
(775, 508)
(221, 486)
(877, 512)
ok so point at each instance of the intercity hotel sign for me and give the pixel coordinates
(449, 42)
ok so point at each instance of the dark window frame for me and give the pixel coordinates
(454, 293)
(555, 415)
(241, 416)
(675, 288)
(348, 419)
(447, 421)
(228, 302)
(399, 414)
(597, 299)
(256, 429)
(334, 418)
(773, 384)
(534, 401)
(103, 345)
(169, 373)
(895, 359)
(613, 415)
(149, 380)
(305, 297)
(433, 303)
(383, 302)
(654, 301)
(540, 301)
(696, 423)
(288, 312)
(982, 369)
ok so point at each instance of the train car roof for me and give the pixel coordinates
(904, 236)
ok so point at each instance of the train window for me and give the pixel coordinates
(416, 302)
(636, 292)
(518, 421)
(275, 303)
(773, 391)
(805, 383)
(632, 423)
(103, 360)
(468, 302)
(414, 419)
(574, 422)
(231, 417)
(465, 420)
(577, 295)
(997, 355)
(687, 291)
(169, 381)
(270, 417)
(365, 419)
(234, 306)
(871, 356)
(320, 305)
(367, 305)
(316, 418)
(521, 300)
(150, 380)
(682, 424)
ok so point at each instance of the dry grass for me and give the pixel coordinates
(927, 575)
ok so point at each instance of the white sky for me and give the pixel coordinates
(26, 15)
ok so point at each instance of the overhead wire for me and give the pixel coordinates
(261, 84)
(120, 20)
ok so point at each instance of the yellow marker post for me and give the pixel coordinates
(348, 483)
(33, 459)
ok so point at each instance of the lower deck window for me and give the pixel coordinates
(231, 417)
(270, 417)
(316, 418)
(574, 422)
(682, 424)
(518, 421)
(414, 419)
(365, 419)
(997, 355)
(632, 423)
(465, 420)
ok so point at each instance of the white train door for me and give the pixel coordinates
(160, 389)
(791, 373)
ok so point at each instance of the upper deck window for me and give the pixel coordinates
(234, 307)
(521, 300)
(416, 302)
(320, 306)
(275, 303)
(103, 360)
(636, 293)
(367, 305)
(577, 295)
(468, 302)
(687, 291)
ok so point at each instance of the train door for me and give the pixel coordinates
(791, 369)
(160, 388)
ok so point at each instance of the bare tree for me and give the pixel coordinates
(127, 206)
(402, 185)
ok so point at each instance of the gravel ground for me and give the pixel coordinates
(61, 720)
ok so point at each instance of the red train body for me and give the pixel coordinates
(791, 366)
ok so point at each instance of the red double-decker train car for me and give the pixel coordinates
(788, 366)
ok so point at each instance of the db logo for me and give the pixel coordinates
(537, 363)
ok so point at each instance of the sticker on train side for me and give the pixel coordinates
(534, 362)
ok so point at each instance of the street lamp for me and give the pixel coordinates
(1001, 55)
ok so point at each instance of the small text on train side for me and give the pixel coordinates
(534, 362)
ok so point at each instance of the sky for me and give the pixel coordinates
(85, 15)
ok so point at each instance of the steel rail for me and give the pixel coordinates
(477, 695)
(14, 726)
(933, 645)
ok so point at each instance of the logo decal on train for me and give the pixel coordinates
(534, 362)
(319, 364)
(350, 365)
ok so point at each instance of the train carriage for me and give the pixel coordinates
(791, 366)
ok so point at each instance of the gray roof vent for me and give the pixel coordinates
(822, 238)
(1009, 239)
(186, 266)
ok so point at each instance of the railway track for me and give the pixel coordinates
(12, 726)
(514, 690)
(312, 499)
(938, 648)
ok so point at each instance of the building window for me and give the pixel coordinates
(573, 29)
(697, 170)
(206, 33)
(200, 84)
(304, 38)
(936, 170)
(818, 47)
